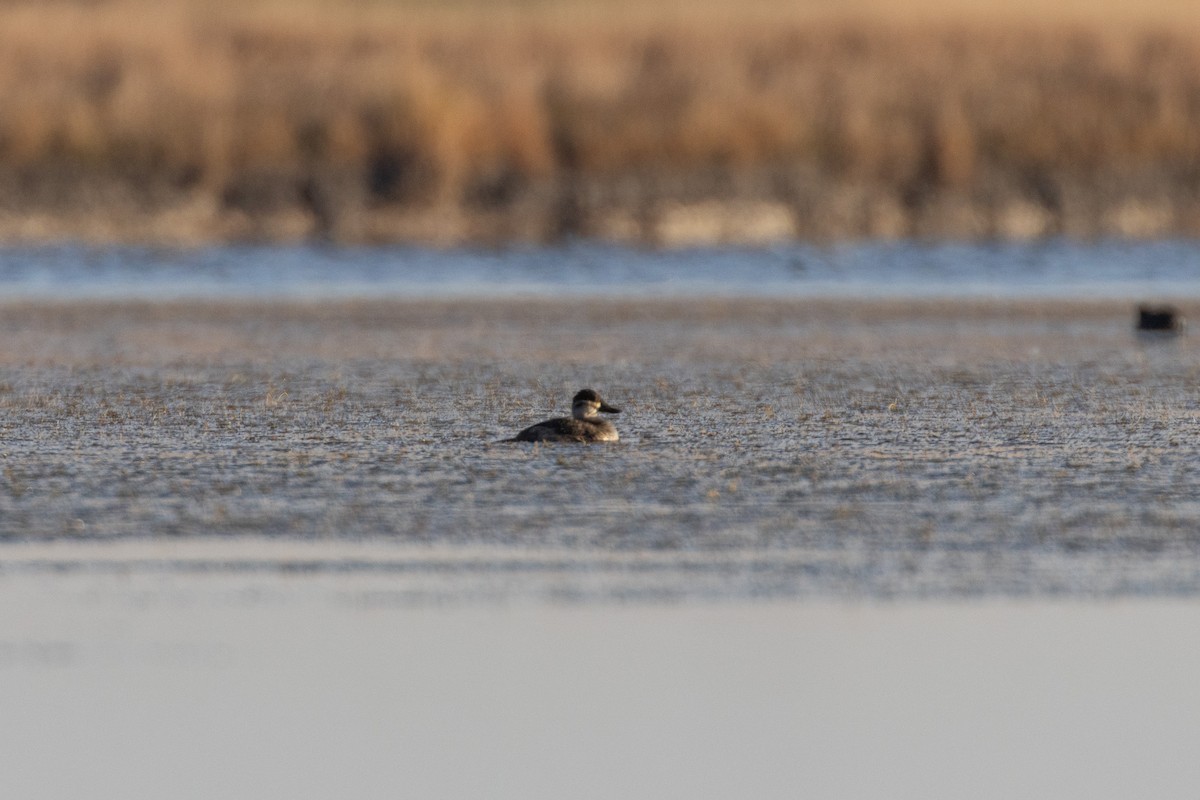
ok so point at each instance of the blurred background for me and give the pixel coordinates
(712, 121)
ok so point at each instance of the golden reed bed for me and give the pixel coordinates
(186, 120)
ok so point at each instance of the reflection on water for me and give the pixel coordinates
(1053, 268)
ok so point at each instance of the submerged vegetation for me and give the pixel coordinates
(188, 120)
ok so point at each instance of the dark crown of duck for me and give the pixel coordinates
(592, 396)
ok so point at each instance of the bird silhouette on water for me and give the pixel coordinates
(584, 425)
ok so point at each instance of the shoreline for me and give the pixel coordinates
(771, 207)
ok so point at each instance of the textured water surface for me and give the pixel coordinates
(769, 448)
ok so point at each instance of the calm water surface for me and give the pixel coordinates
(1052, 268)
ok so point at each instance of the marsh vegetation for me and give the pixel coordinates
(188, 120)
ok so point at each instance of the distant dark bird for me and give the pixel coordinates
(582, 426)
(1159, 319)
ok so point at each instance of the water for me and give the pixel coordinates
(1055, 268)
(769, 448)
(784, 407)
(206, 687)
(895, 520)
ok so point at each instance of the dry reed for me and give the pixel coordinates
(396, 120)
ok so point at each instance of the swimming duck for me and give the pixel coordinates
(582, 426)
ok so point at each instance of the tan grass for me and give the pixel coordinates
(441, 104)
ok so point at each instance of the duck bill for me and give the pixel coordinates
(607, 409)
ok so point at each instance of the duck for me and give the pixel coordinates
(584, 424)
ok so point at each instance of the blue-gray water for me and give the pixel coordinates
(783, 408)
(1056, 268)
(273, 549)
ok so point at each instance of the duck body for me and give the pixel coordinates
(584, 425)
(569, 429)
